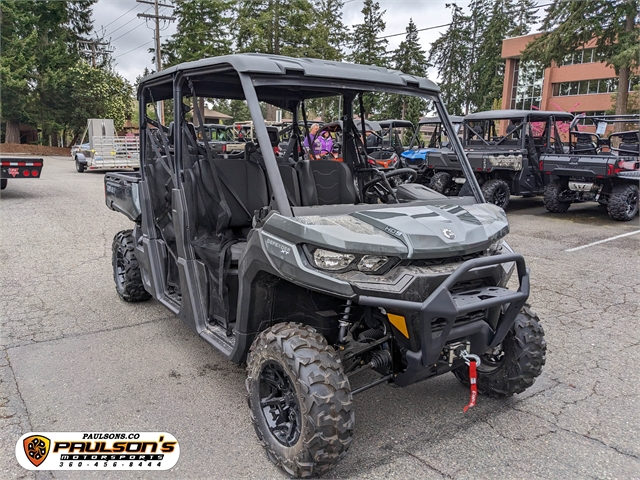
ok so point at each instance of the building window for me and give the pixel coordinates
(586, 55)
(589, 87)
(526, 91)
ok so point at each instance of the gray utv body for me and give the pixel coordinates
(270, 270)
(238, 247)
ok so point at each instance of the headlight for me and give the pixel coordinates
(328, 260)
(371, 263)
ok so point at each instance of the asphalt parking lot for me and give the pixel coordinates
(77, 358)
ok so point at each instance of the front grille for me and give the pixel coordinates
(430, 262)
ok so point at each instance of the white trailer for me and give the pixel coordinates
(105, 150)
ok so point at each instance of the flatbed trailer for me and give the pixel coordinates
(19, 167)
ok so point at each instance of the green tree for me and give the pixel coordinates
(524, 14)
(449, 54)
(366, 46)
(274, 26)
(328, 32)
(18, 40)
(488, 69)
(368, 49)
(614, 26)
(60, 26)
(203, 30)
(411, 59)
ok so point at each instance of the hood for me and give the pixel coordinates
(417, 155)
(406, 232)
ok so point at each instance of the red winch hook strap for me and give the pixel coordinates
(473, 376)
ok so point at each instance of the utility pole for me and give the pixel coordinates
(90, 49)
(157, 17)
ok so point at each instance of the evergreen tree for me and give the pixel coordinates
(274, 26)
(203, 30)
(613, 24)
(18, 42)
(328, 31)
(411, 59)
(368, 49)
(476, 26)
(524, 14)
(449, 54)
(488, 69)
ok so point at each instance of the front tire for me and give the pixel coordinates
(300, 399)
(126, 271)
(496, 191)
(517, 365)
(551, 198)
(623, 202)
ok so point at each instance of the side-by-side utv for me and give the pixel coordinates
(314, 271)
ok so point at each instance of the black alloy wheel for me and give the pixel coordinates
(279, 404)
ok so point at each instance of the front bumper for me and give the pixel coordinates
(445, 307)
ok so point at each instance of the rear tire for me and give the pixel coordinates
(551, 199)
(623, 202)
(300, 399)
(440, 182)
(496, 191)
(518, 364)
(3, 183)
(79, 166)
(126, 271)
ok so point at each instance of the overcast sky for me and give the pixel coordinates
(131, 36)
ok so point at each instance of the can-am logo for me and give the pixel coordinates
(448, 233)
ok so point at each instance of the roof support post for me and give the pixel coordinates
(458, 150)
(275, 180)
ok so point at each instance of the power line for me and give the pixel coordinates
(127, 23)
(129, 51)
(113, 21)
(128, 32)
(446, 24)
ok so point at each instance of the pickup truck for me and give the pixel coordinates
(596, 168)
(19, 167)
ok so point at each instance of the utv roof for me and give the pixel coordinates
(436, 119)
(396, 123)
(515, 114)
(223, 73)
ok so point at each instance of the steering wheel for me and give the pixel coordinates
(381, 186)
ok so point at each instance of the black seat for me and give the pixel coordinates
(325, 182)
(291, 184)
(244, 187)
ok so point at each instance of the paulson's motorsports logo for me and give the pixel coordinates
(36, 447)
(97, 451)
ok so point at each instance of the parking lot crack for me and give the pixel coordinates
(426, 464)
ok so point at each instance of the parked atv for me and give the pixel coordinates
(313, 271)
(428, 157)
(504, 148)
(600, 165)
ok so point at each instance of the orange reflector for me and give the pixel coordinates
(399, 322)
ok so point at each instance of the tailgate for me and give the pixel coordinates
(121, 193)
(20, 167)
(576, 165)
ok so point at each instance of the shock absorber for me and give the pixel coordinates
(344, 322)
